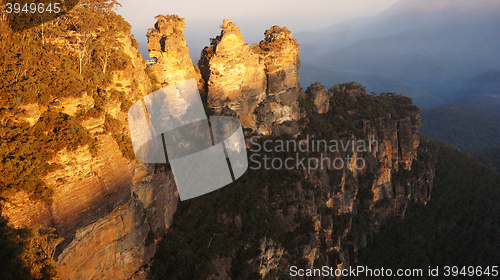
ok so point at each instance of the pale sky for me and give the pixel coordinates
(252, 17)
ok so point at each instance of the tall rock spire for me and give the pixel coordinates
(280, 52)
(259, 84)
(281, 57)
(234, 74)
(166, 43)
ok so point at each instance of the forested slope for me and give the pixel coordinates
(458, 227)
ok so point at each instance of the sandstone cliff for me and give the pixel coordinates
(166, 43)
(112, 210)
(259, 84)
(272, 219)
(346, 205)
(109, 208)
(142, 198)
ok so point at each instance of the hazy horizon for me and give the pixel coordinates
(202, 22)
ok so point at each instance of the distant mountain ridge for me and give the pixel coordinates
(471, 120)
(377, 83)
(482, 91)
(433, 45)
(486, 84)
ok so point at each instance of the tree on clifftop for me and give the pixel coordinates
(105, 48)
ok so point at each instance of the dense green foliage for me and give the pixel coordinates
(72, 55)
(27, 253)
(123, 139)
(489, 157)
(203, 227)
(66, 57)
(468, 128)
(199, 232)
(26, 150)
(12, 267)
(458, 227)
(37, 65)
(346, 114)
(206, 228)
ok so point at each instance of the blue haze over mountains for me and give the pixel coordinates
(435, 51)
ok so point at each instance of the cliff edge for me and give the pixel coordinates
(113, 211)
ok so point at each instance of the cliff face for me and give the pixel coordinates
(109, 208)
(234, 74)
(119, 243)
(112, 210)
(280, 51)
(274, 218)
(259, 84)
(320, 97)
(118, 207)
(346, 205)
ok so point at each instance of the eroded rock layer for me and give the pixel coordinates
(234, 73)
(118, 244)
(280, 52)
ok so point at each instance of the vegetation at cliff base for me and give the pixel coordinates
(466, 127)
(27, 253)
(204, 228)
(489, 157)
(235, 225)
(458, 227)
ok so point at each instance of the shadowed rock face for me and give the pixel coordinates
(320, 97)
(336, 192)
(259, 84)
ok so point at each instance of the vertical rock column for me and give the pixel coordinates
(260, 84)
(280, 52)
(234, 73)
(166, 43)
